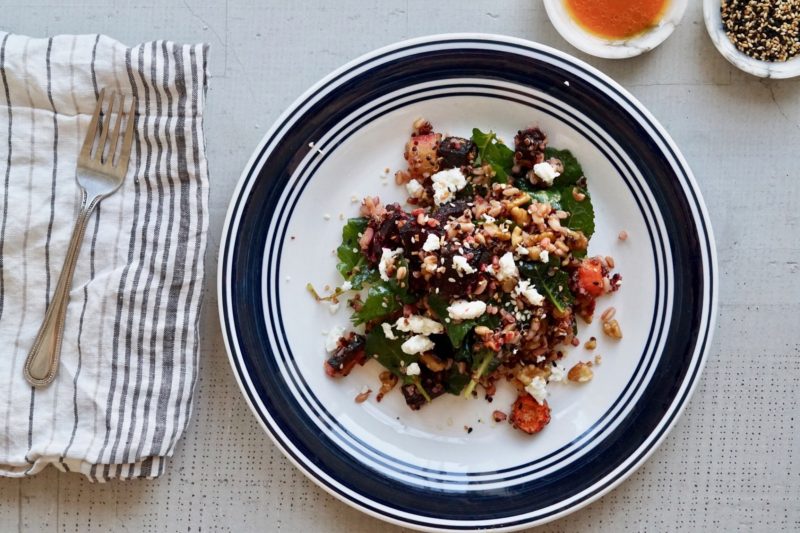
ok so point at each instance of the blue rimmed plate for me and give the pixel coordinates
(424, 469)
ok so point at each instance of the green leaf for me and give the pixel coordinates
(549, 280)
(572, 169)
(581, 214)
(381, 301)
(483, 362)
(353, 266)
(492, 151)
(389, 352)
(454, 381)
(547, 196)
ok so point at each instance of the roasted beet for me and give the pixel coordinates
(529, 146)
(387, 232)
(451, 210)
(455, 152)
(349, 352)
(451, 282)
(414, 399)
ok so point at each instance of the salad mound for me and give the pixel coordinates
(480, 281)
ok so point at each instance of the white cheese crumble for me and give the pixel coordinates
(387, 331)
(415, 189)
(460, 264)
(413, 370)
(418, 324)
(346, 286)
(540, 358)
(332, 341)
(557, 373)
(387, 258)
(521, 250)
(538, 389)
(465, 310)
(431, 243)
(333, 307)
(417, 344)
(445, 183)
(488, 219)
(525, 290)
(545, 172)
(544, 256)
(507, 267)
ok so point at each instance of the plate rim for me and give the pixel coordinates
(691, 184)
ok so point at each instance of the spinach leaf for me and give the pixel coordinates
(581, 214)
(493, 152)
(352, 264)
(458, 331)
(555, 286)
(547, 196)
(572, 169)
(454, 381)
(389, 352)
(381, 301)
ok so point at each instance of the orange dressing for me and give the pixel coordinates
(616, 19)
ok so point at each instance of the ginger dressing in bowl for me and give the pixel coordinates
(616, 19)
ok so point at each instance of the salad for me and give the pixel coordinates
(480, 280)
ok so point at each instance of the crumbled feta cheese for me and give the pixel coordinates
(418, 324)
(333, 307)
(465, 310)
(346, 286)
(332, 341)
(525, 290)
(557, 373)
(417, 344)
(431, 243)
(545, 172)
(387, 258)
(387, 331)
(507, 268)
(544, 256)
(540, 358)
(413, 370)
(415, 189)
(460, 264)
(326, 216)
(521, 250)
(445, 183)
(488, 219)
(538, 389)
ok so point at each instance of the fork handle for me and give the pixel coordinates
(42, 362)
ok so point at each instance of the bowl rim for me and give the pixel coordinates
(742, 61)
(592, 44)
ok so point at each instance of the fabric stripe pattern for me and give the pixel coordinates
(124, 391)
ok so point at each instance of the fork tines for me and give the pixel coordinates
(102, 158)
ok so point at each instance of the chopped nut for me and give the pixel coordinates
(482, 331)
(612, 329)
(520, 216)
(362, 396)
(610, 261)
(591, 344)
(401, 272)
(608, 314)
(388, 381)
(598, 359)
(580, 373)
(578, 195)
(432, 362)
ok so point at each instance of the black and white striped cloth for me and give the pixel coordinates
(123, 394)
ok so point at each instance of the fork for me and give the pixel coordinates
(101, 171)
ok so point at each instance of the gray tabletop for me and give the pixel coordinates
(733, 460)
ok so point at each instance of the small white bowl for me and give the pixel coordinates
(597, 46)
(756, 67)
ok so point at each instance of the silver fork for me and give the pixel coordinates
(101, 170)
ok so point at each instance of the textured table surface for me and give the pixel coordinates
(733, 460)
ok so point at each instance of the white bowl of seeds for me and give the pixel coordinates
(760, 37)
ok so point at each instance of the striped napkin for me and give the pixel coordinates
(123, 394)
